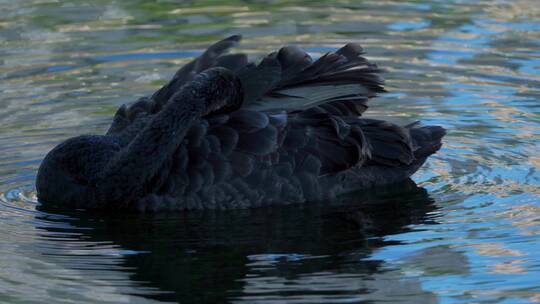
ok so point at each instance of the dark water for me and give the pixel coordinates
(466, 230)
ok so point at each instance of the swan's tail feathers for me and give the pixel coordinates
(390, 144)
(395, 146)
(426, 140)
(212, 57)
(290, 80)
(397, 153)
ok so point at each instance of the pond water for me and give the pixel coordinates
(466, 230)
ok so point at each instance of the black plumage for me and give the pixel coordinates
(225, 133)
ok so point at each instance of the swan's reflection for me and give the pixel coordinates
(313, 250)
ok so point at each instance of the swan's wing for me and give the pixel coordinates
(215, 55)
(290, 80)
(212, 57)
(339, 83)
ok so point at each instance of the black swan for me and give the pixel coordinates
(225, 133)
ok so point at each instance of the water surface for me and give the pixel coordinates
(466, 230)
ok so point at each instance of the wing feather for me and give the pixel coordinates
(298, 83)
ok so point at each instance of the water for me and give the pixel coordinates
(466, 232)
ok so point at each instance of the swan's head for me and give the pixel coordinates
(70, 170)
